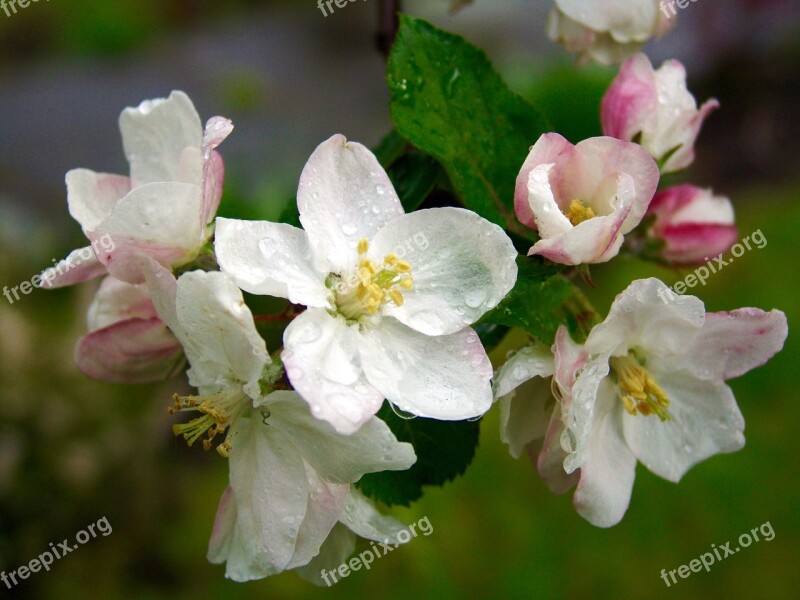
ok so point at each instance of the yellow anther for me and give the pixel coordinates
(638, 390)
(363, 246)
(390, 260)
(396, 297)
(403, 266)
(578, 212)
(407, 283)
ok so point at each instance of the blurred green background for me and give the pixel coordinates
(73, 450)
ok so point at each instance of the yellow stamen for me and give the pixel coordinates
(578, 212)
(218, 412)
(638, 390)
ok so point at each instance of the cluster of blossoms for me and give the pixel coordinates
(377, 316)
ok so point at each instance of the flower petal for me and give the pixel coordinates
(547, 150)
(159, 220)
(705, 421)
(335, 551)
(338, 458)
(549, 461)
(91, 196)
(221, 339)
(443, 377)
(648, 315)
(271, 259)
(130, 351)
(323, 364)
(626, 20)
(80, 265)
(118, 301)
(462, 266)
(163, 139)
(362, 518)
(344, 195)
(606, 477)
(271, 489)
(731, 343)
(629, 99)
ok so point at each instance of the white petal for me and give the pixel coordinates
(344, 195)
(361, 517)
(221, 340)
(550, 459)
(705, 421)
(272, 259)
(626, 20)
(325, 504)
(522, 386)
(606, 477)
(92, 196)
(163, 140)
(323, 364)
(731, 344)
(338, 458)
(550, 221)
(650, 316)
(462, 266)
(443, 377)
(335, 551)
(271, 491)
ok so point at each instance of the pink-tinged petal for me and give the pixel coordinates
(222, 533)
(213, 177)
(705, 421)
(695, 243)
(606, 477)
(119, 301)
(91, 196)
(550, 459)
(543, 206)
(445, 377)
(648, 315)
(730, 344)
(271, 259)
(684, 156)
(547, 150)
(159, 220)
(344, 195)
(585, 174)
(630, 99)
(216, 131)
(163, 288)
(132, 351)
(163, 140)
(684, 204)
(80, 265)
(323, 364)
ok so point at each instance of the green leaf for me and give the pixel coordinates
(444, 451)
(534, 302)
(414, 176)
(448, 101)
(390, 148)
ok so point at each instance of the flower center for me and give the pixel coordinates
(578, 212)
(218, 413)
(638, 390)
(365, 292)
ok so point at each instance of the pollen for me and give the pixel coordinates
(373, 285)
(638, 390)
(578, 212)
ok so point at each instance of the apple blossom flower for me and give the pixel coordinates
(390, 295)
(583, 198)
(648, 385)
(127, 341)
(654, 108)
(289, 472)
(693, 223)
(607, 32)
(164, 210)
